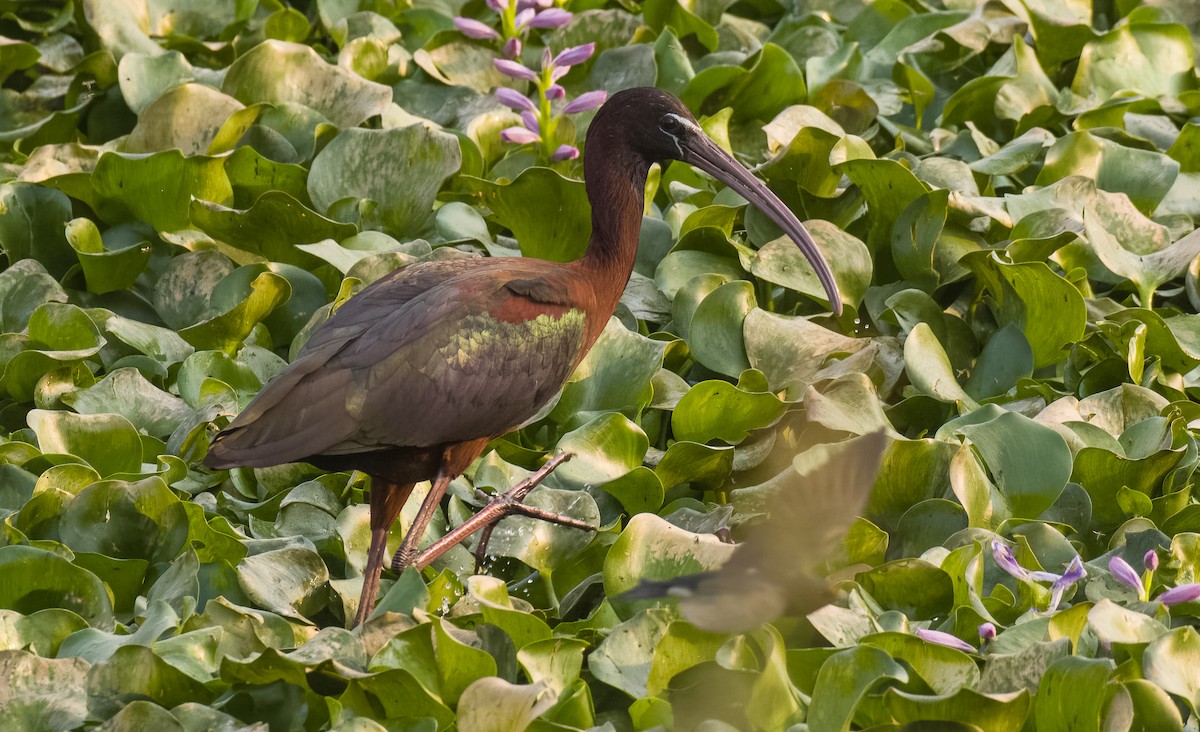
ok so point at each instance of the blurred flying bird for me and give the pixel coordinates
(775, 570)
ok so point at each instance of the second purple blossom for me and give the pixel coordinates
(538, 116)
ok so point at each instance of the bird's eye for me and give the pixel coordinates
(671, 124)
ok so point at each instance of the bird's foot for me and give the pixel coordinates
(500, 506)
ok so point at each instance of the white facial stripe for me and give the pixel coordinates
(686, 123)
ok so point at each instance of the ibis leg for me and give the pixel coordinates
(504, 504)
(386, 501)
(412, 540)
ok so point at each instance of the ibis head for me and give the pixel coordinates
(658, 127)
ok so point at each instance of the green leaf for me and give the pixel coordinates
(559, 234)
(1150, 59)
(274, 227)
(1171, 662)
(495, 705)
(279, 72)
(844, 680)
(718, 410)
(135, 672)
(989, 712)
(1030, 462)
(36, 578)
(227, 331)
(399, 170)
(1070, 695)
(42, 693)
(108, 442)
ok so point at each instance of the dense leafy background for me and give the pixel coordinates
(1008, 192)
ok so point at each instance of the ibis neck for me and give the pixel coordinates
(616, 182)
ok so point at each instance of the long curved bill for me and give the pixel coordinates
(704, 154)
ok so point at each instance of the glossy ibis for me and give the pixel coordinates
(410, 378)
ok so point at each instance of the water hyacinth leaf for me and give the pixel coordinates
(650, 548)
(522, 206)
(1058, 707)
(143, 77)
(639, 490)
(945, 670)
(41, 692)
(401, 170)
(623, 659)
(1171, 663)
(604, 449)
(108, 442)
(456, 61)
(1030, 462)
(190, 118)
(126, 392)
(1143, 175)
(36, 577)
(615, 376)
(889, 188)
(1152, 59)
(105, 270)
(844, 680)
(226, 332)
(100, 518)
(279, 72)
(780, 261)
(1113, 623)
(791, 349)
(31, 226)
(663, 15)
(288, 581)
(307, 295)
(273, 227)
(541, 544)
(715, 333)
(184, 287)
(719, 410)
(1047, 308)
(966, 706)
(1125, 250)
(459, 664)
(135, 672)
(24, 287)
(912, 586)
(494, 705)
(157, 189)
(1006, 358)
(693, 462)
(929, 368)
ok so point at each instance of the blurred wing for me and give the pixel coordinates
(772, 571)
(811, 513)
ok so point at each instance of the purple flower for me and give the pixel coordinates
(1182, 593)
(555, 91)
(539, 4)
(524, 17)
(498, 6)
(531, 121)
(585, 102)
(1074, 573)
(512, 47)
(474, 29)
(519, 135)
(987, 632)
(1150, 561)
(514, 99)
(1004, 557)
(552, 18)
(514, 69)
(1124, 573)
(575, 55)
(564, 152)
(945, 639)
